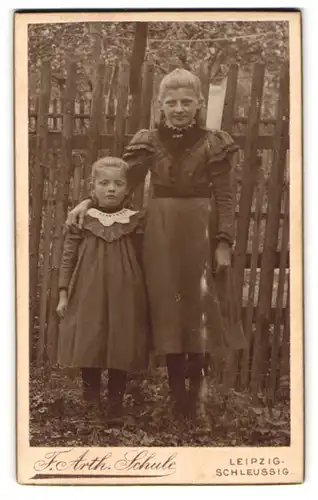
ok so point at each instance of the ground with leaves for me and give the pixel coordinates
(58, 416)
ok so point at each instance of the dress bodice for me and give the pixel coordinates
(185, 168)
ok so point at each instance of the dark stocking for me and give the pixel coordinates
(176, 373)
(91, 378)
(196, 363)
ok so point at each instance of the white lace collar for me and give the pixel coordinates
(108, 219)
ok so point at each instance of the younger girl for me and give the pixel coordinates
(102, 298)
(188, 235)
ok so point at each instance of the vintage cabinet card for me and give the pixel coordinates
(159, 292)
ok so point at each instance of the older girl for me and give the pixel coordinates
(102, 297)
(187, 236)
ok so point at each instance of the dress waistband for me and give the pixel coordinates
(174, 192)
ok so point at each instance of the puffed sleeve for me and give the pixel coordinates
(221, 150)
(69, 256)
(138, 154)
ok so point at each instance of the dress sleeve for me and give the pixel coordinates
(137, 238)
(221, 150)
(138, 155)
(69, 256)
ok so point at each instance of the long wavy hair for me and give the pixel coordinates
(181, 78)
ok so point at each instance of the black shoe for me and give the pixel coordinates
(92, 398)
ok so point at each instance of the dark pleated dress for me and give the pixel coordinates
(106, 322)
(189, 211)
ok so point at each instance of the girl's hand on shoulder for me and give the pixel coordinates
(223, 256)
(62, 306)
(76, 216)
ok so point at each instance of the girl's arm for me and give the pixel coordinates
(222, 191)
(69, 258)
(138, 168)
(221, 151)
(223, 194)
(138, 154)
(63, 303)
(76, 216)
(68, 261)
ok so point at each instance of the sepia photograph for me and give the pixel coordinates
(159, 157)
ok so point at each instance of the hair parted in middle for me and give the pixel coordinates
(182, 78)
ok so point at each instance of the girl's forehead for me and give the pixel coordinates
(179, 93)
(111, 173)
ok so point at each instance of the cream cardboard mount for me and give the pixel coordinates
(79, 450)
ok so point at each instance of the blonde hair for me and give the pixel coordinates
(108, 162)
(182, 78)
(103, 164)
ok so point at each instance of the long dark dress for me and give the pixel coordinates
(105, 325)
(182, 226)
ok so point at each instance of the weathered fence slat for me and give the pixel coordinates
(107, 79)
(229, 101)
(82, 120)
(50, 117)
(249, 175)
(225, 368)
(62, 195)
(252, 281)
(77, 176)
(129, 129)
(55, 112)
(46, 271)
(95, 122)
(204, 75)
(285, 355)
(279, 303)
(37, 184)
(110, 111)
(121, 109)
(243, 220)
(31, 112)
(106, 87)
(274, 203)
(147, 94)
(144, 120)
(59, 117)
(77, 129)
(135, 86)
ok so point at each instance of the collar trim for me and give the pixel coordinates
(108, 219)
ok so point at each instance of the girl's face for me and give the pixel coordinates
(110, 187)
(180, 106)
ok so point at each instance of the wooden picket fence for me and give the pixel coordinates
(67, 134)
